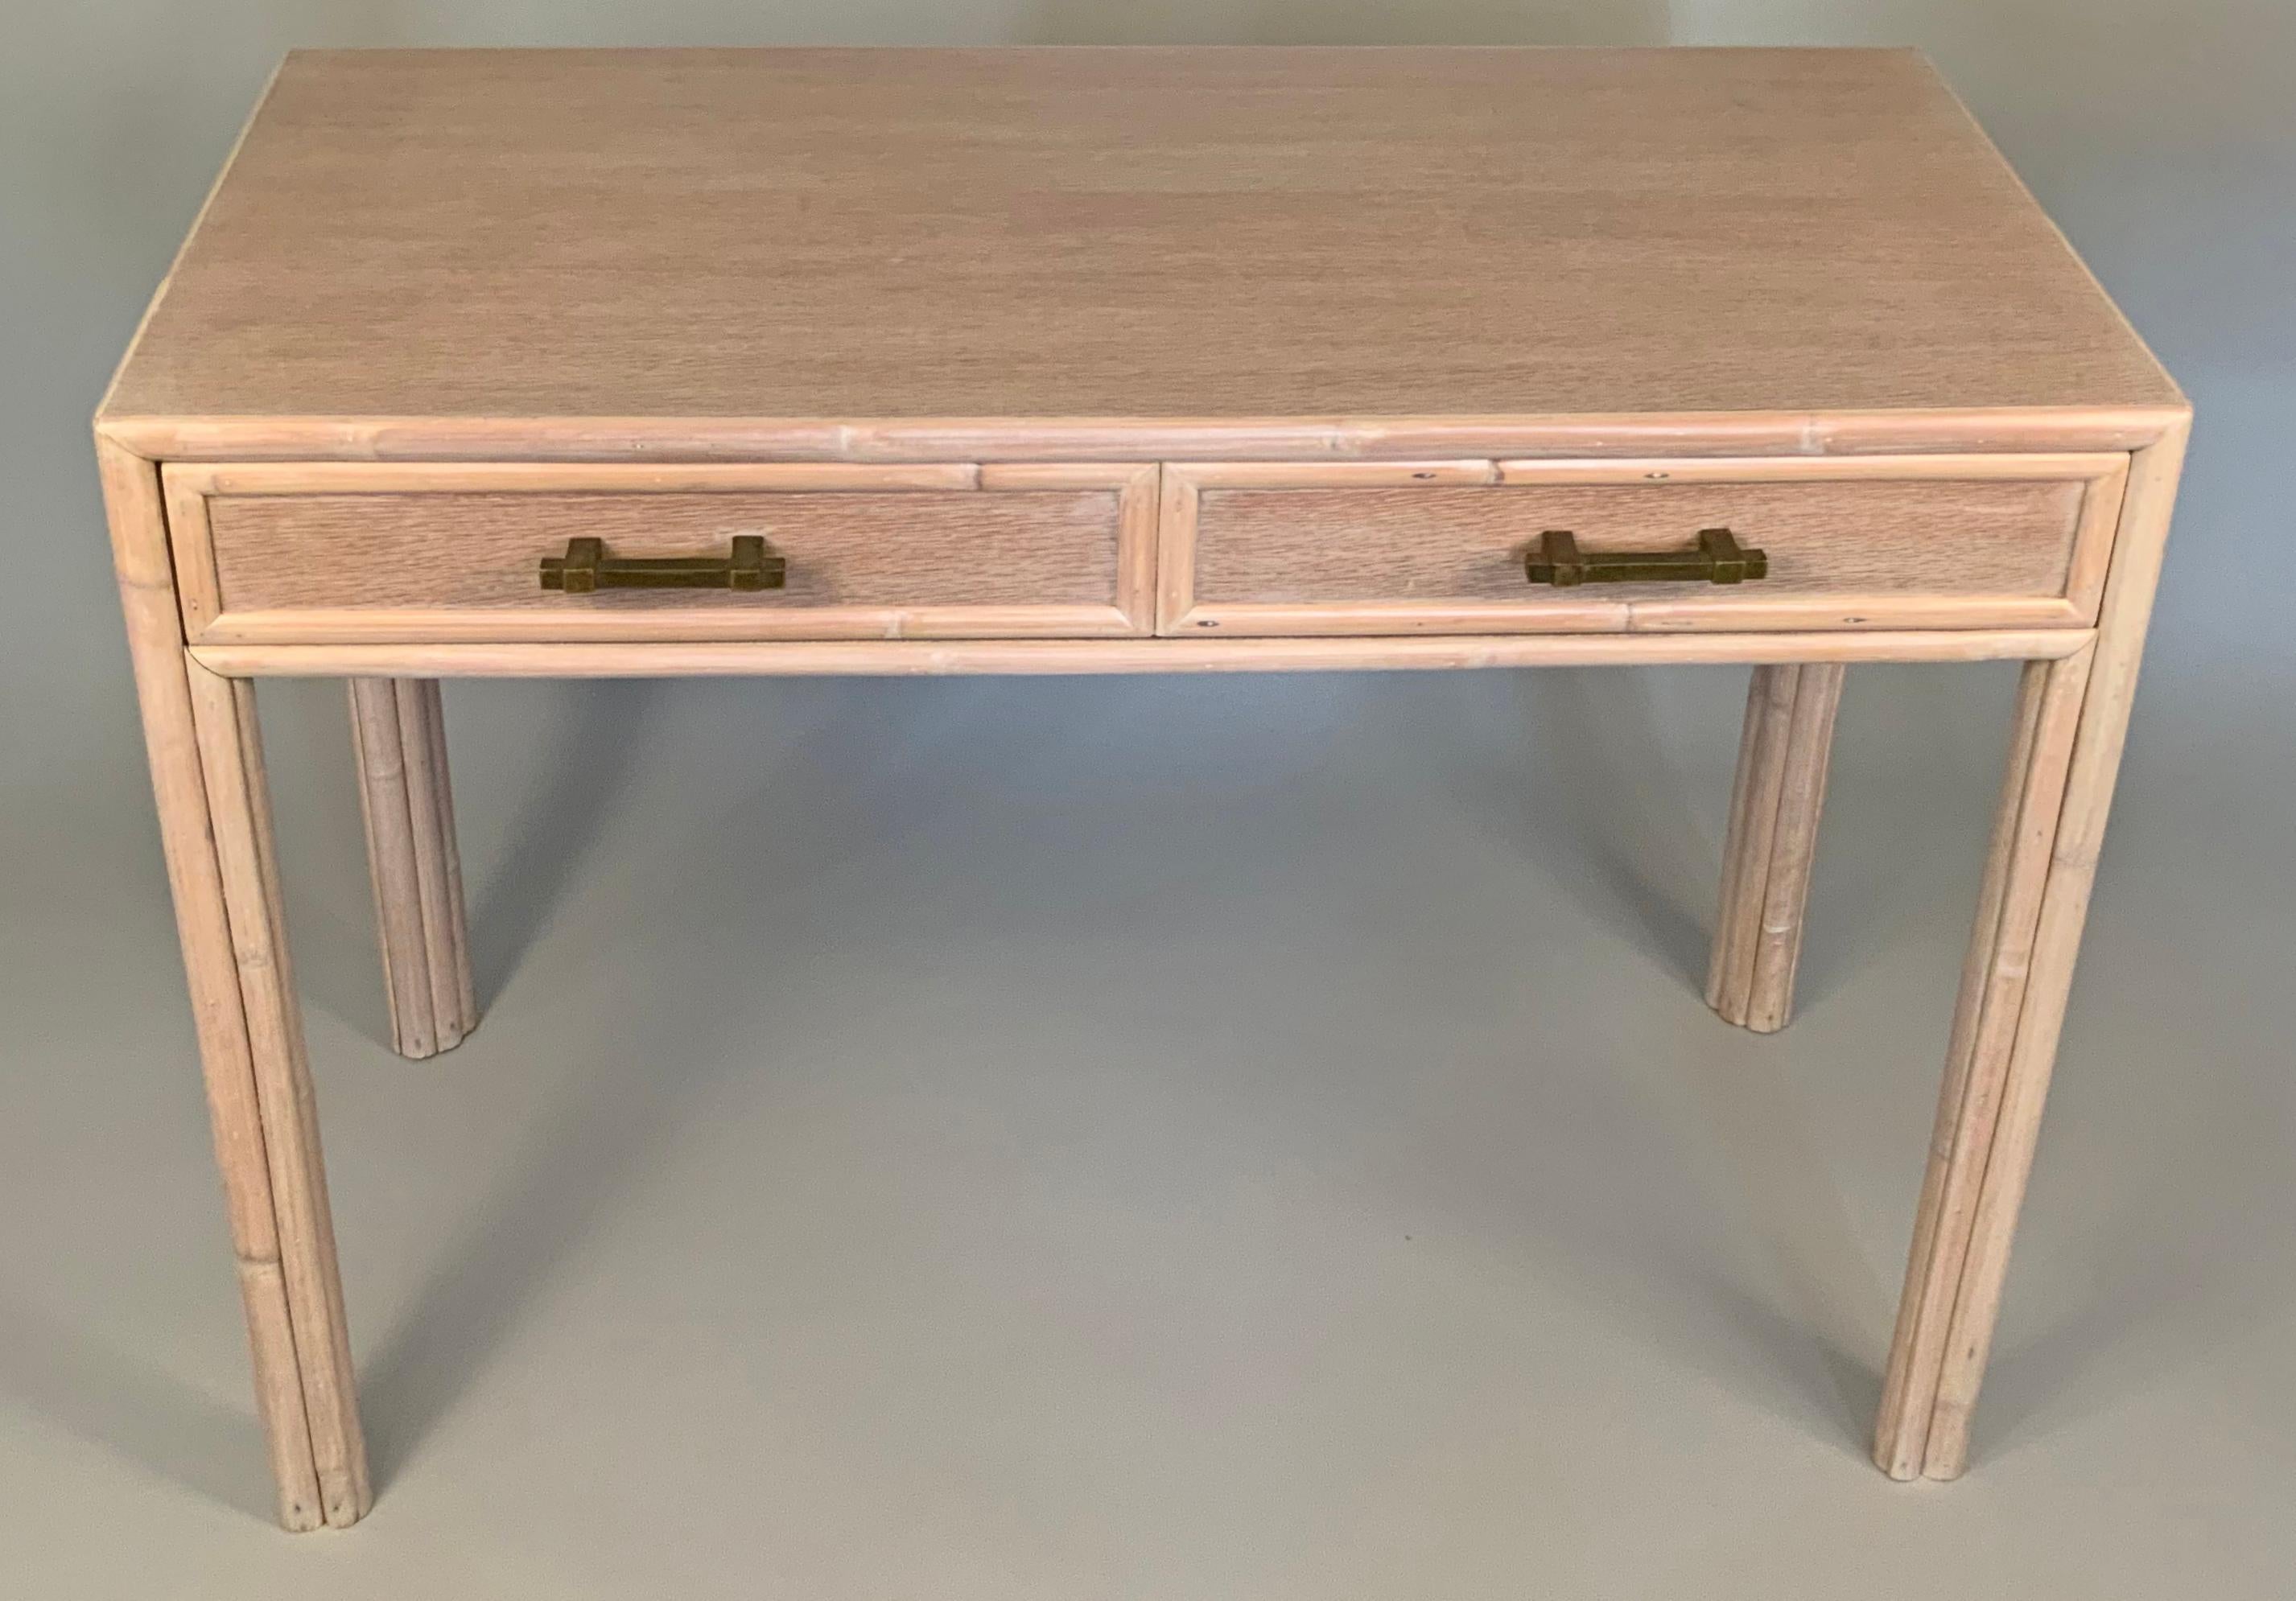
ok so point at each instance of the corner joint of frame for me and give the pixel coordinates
(112, 434)
(197, 657)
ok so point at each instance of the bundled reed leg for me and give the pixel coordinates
(2072, 718)
(215, 829)
(1773, 812)
(398, 728)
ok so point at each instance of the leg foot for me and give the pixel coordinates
(1774, 813)
(399, 728)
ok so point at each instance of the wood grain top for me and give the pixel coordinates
(1121, 233)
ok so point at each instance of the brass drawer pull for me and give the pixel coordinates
(587, 566)
(1719, 558)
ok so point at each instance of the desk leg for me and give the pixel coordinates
(398, 727)
(1773, 811)
(239, 813)
(215, 828)
(2072, 718)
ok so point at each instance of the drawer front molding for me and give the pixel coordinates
(363, 553)
(1438, 547)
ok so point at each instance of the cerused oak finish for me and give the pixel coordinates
(274, 553)
(1439, 547)
(1073, 361)
(423, 246)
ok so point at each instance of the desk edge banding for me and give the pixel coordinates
(900, 440)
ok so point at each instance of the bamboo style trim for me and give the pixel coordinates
(381, 625)
(755, 659)
(183, 438)
(600, 478)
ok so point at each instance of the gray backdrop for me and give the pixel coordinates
(1196, 1137)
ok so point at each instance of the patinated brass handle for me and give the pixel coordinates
(587, 566)
(1719, 558)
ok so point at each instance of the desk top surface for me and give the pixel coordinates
(1116, 234)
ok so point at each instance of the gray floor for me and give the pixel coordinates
(1194, 1139)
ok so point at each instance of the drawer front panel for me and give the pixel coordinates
(354, 552)
(1440, 547)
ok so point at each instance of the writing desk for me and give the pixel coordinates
(623, 362)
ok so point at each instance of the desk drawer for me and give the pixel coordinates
(1440, 547)
(345, 551)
